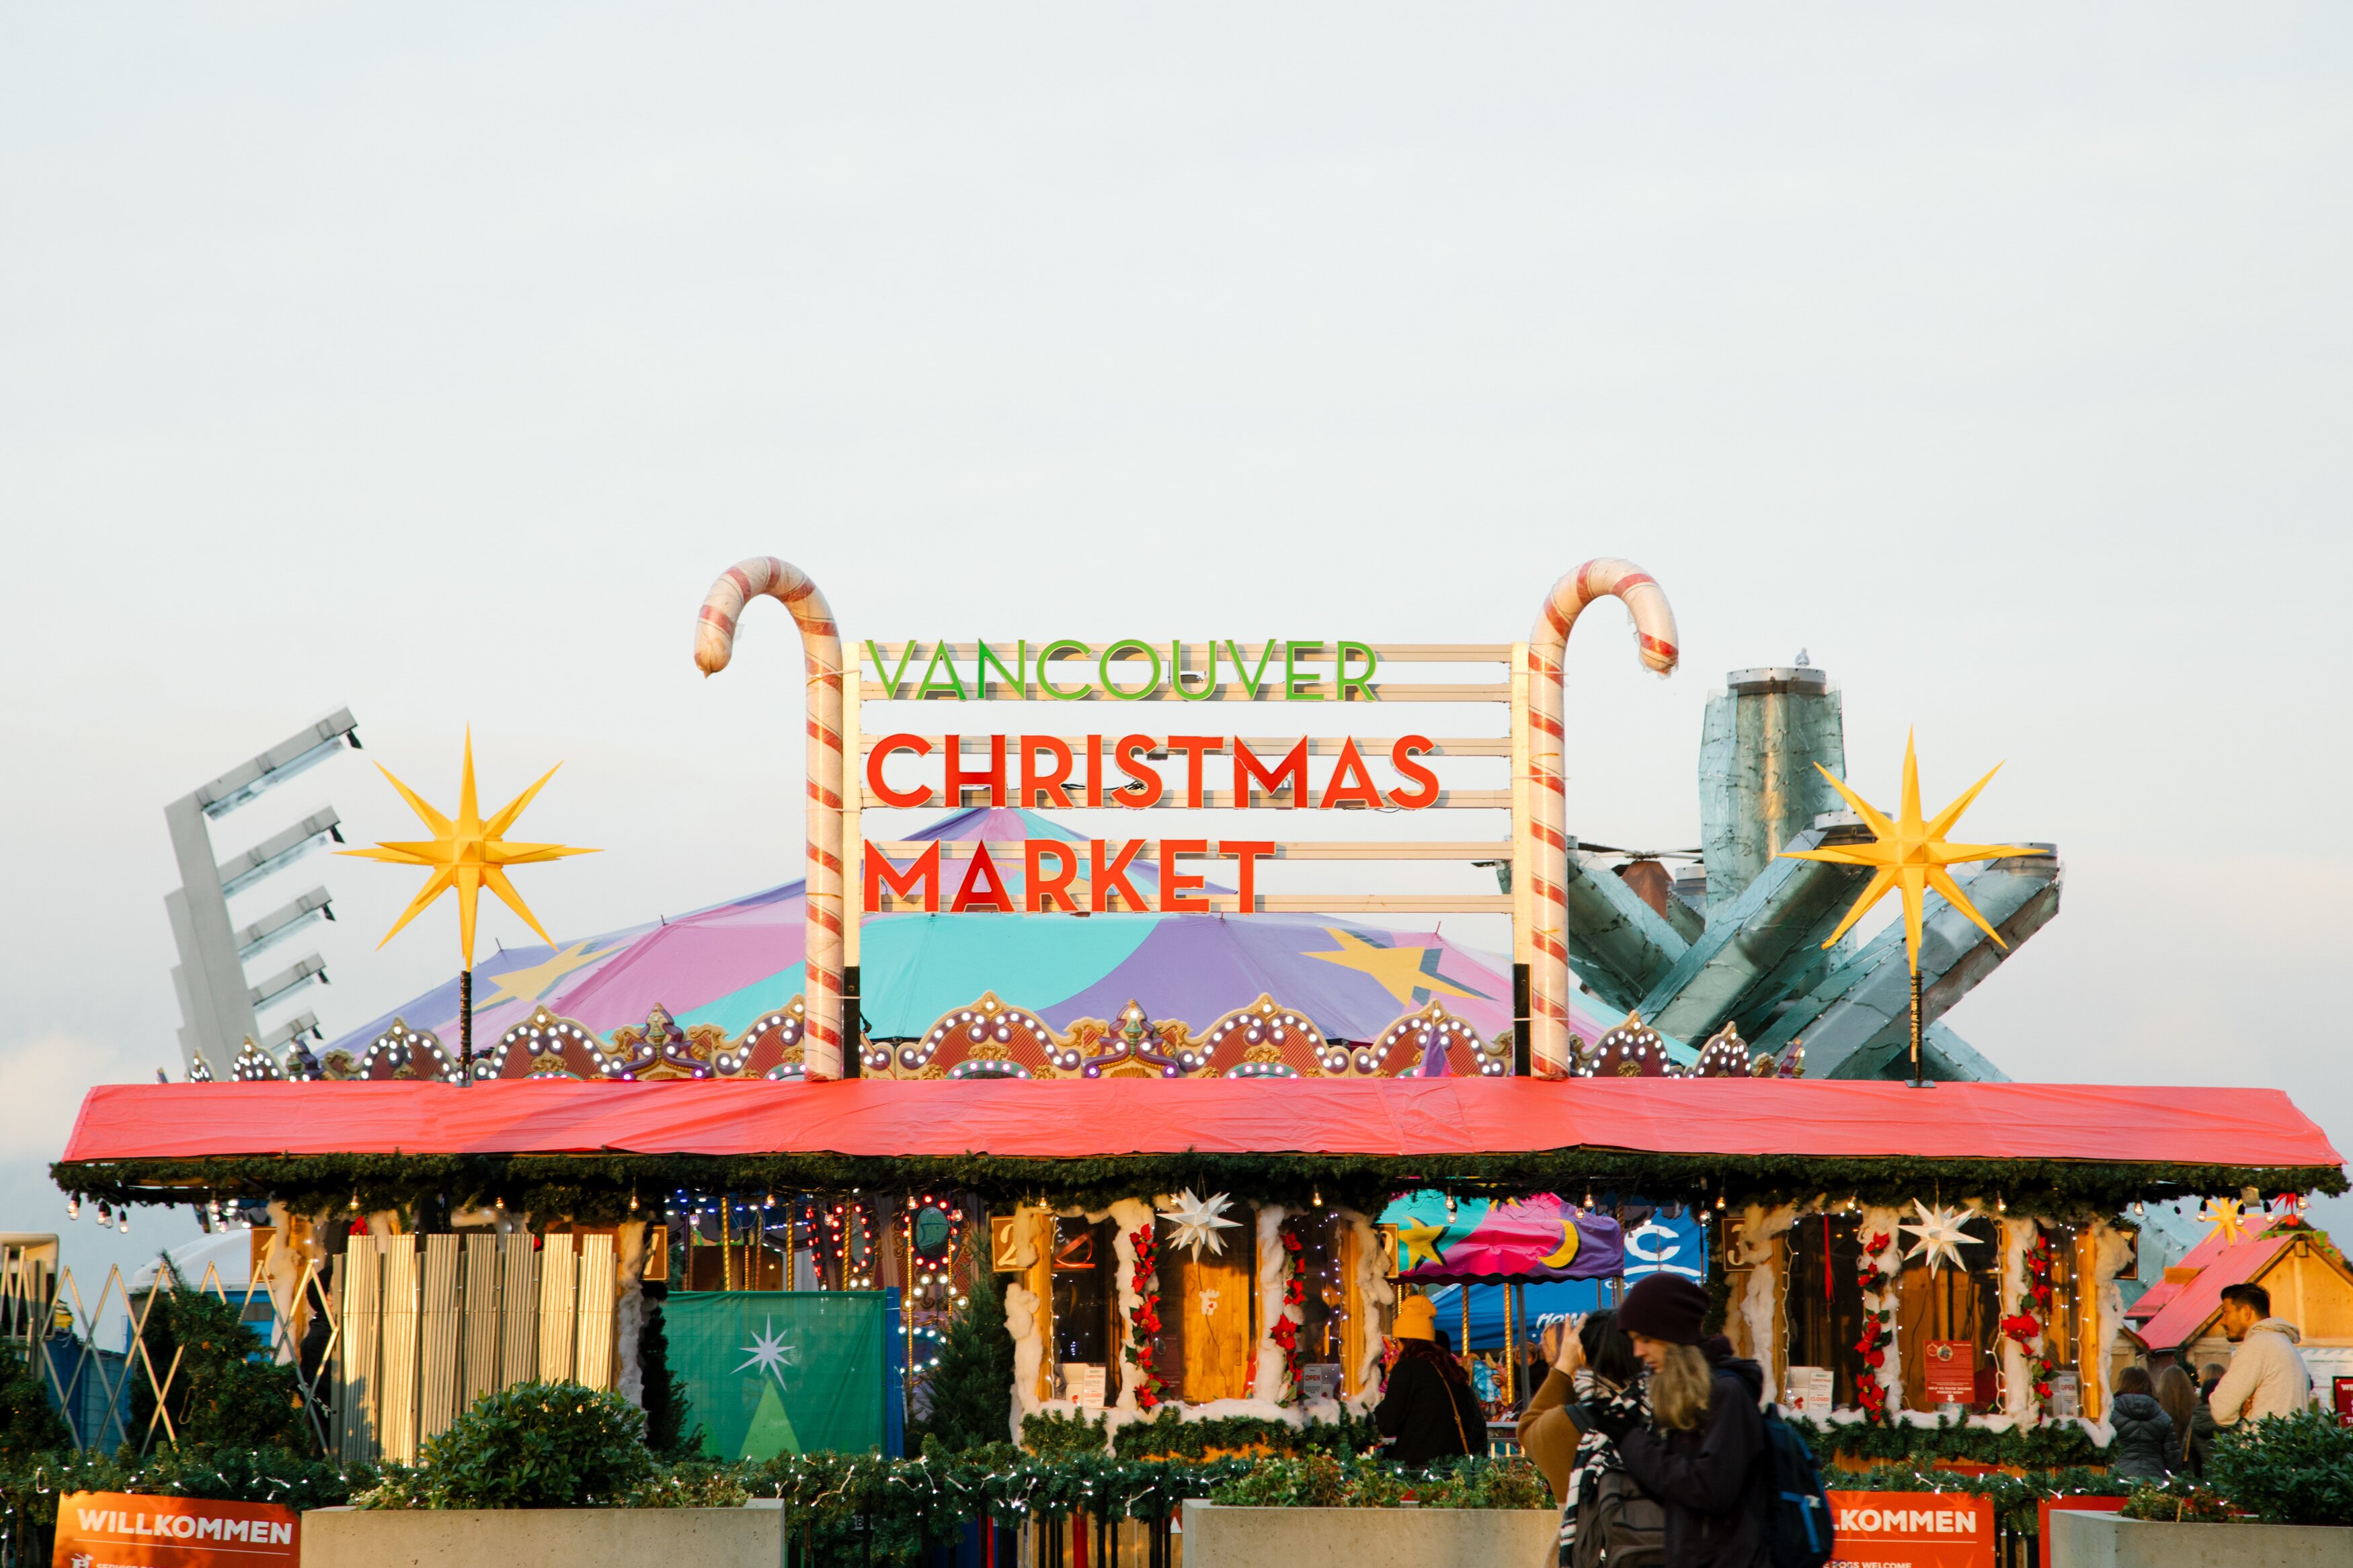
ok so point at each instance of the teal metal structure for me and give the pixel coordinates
(1744, 947)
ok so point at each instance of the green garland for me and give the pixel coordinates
(596, 1188)
(1056, 1434)
(2049, 1447)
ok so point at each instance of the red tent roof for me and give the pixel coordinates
(1026, 1118)
(2178, 1318)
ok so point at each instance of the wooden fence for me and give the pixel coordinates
(426, 1325)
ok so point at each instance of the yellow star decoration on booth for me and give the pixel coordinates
(1400, 970)
(1419, 1243)
(532, 981)
(467, 853)
(1911, 854)
(2227, 1219)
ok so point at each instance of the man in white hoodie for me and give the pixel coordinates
(2267, 1374)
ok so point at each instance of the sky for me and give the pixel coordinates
(433, 359)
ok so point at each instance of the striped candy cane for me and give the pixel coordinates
(1654, 640)
(715, 644)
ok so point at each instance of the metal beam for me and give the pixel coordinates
(279, 850)
(1777, 923)
(290, 756)
(282, 922)
(1618, 945)
(1856, 1019)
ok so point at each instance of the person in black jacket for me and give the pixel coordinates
(1428, 1409)
(1701, 1455)
(2143, 1447)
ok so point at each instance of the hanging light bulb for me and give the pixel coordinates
(1589, 1200)
(1719, 1200)
(2001, 1203)
(633, 1202)
(1450, 1206)
(73, 1206)
(498, 1203)
(2139, 1207)
(1316, 1196)
(122, 1219)
(355, 1203)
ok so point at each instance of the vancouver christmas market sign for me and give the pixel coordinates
(1168, 765)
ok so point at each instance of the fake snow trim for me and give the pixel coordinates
(1028, 1351)
(1374, 1296)
(1752, 1248)
(2112, 1254)
(2017, 1375)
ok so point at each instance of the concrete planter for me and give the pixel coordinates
(2112, 1541)
(1218, 1537)
(544, 1538)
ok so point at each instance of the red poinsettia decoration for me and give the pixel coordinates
(2029, 1325)
(1284, 1331)
(1878, 1333)
(1144, 1323)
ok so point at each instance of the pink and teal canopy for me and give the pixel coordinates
(733, 963)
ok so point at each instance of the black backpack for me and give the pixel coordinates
(1798, 1511)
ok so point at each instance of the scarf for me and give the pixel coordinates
(1595, 1452)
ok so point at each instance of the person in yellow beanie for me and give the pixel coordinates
(1427, 1410)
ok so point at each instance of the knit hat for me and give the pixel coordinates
(1664, 1307)
(1415, 1319)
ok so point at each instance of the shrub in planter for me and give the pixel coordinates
(2177, 1500)
(1311, 1481)
(535, 1444)
(2287, 1470)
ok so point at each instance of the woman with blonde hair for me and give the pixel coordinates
(1701, 1453)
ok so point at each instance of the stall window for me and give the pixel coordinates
(1323, 1334)
(1948, 1326)
(1086, 1272)
(1825, 1299)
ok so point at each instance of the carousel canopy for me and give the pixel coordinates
(730, 965)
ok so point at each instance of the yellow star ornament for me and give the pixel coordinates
(1421, 1244)
(1910, 855)
(467, 853)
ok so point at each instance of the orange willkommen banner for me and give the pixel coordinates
(117, 1530)
(1911, 1530)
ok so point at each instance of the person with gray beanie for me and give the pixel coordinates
(1703, 1454)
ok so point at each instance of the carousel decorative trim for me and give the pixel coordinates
(992, 1038)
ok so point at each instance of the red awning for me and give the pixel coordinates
(1023, 1118)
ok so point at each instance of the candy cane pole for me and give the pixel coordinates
(715, 644)
(1654, 640)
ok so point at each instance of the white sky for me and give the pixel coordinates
(433, 359)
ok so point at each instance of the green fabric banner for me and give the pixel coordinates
(783, 1372)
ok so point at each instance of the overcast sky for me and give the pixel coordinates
(433, 359)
